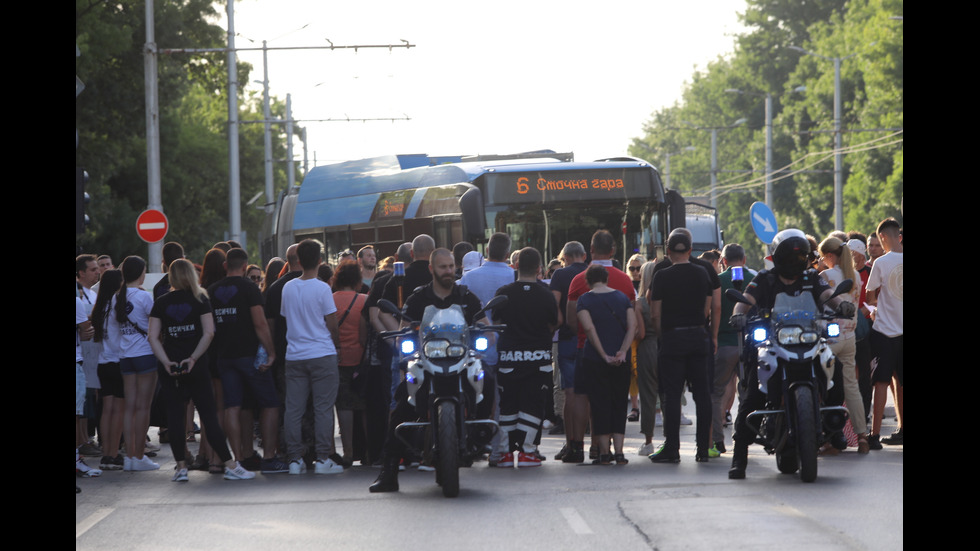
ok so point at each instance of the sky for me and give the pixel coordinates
(483, 77)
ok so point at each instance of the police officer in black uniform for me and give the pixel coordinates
(441, 292)
(790, 274)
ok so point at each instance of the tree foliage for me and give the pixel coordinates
(803, 120)
(110, 118)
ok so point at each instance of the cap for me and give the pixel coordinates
(472, 260)
(679, 241)
(857, 245)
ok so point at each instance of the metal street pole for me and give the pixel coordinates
(154, 201)
(234, 180)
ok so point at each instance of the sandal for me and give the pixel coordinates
(863, 445)
(621, 459)
(634, 416)
(603, 459)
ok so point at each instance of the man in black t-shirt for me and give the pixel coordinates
(441, 292)
(681, 296)
(524, 365)
(240, 325)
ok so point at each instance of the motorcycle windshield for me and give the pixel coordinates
(444, 323)
(795, 310)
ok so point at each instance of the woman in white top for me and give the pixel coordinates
(128, 323)
(840, 266)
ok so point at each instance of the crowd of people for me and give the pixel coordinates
(275, 352)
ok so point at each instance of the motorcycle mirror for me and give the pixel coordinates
(389, 308)
(495, 302)
(735, 296)
(844, 287)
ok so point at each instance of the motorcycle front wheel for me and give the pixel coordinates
(447, 464)
(806, 433)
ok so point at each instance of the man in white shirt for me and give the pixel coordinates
(885, 291)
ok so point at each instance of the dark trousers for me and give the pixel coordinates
(684, 356)
(196, 385)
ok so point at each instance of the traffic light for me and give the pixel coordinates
(81, 200)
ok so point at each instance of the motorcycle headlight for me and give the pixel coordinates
(789, 335)
(809, 337)
(407, 346)
(441, 348)
(760, 334)
(833, 330)
(481, 344)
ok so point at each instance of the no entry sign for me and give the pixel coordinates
(152, 225)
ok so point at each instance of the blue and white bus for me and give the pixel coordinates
(541, 199)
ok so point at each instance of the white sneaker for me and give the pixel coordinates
(127, 463)
(685, 420)
(84, 471)
(180, 475)
(646, 450)
(151, 447)
(298, 466)
(238, 473)
(144, 464)
(326, 467)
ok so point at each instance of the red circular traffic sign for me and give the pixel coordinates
(152, 225)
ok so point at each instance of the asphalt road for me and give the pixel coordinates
(856, 503)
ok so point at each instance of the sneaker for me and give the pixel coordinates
(180, 475)
(561, 453)
(663, 456)
(111, 463)
(645, 450)
(84, 471)
(327, 466)
(574, 456)
(528, 460)
(714, 452)
(874, 442)
(252, 462)
(506, 461)
(150, 446)
(297, 466)
(720, 446)
(897, 438)
(493, 460)
(127, 463)
(425, 467)
(144, 464)
(90, 449)
(274, 465)
(685, 420)
(238, 473)
(338, 459)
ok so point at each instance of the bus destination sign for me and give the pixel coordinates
(548, 187)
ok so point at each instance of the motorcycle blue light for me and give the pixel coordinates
(409, 379)
(833, 330)
(759, 334)
(408, 346)
(481, 344)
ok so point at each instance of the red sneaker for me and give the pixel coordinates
(528, 460)
(506, 461)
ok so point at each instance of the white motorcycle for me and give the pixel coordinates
(444, 375)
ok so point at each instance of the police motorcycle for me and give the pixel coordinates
(444, 374)
(788, 348)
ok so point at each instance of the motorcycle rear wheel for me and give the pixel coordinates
(447, 464)
(806, 433)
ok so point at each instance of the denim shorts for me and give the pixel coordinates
(139, 365)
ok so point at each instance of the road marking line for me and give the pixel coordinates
(92, 520)
(575, 521)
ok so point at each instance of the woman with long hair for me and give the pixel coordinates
(180, 330)
(352, 330)
(271, 273)
(840, 266)
(646, 359)
(110, 377)
(128, 323)
(212, 271)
